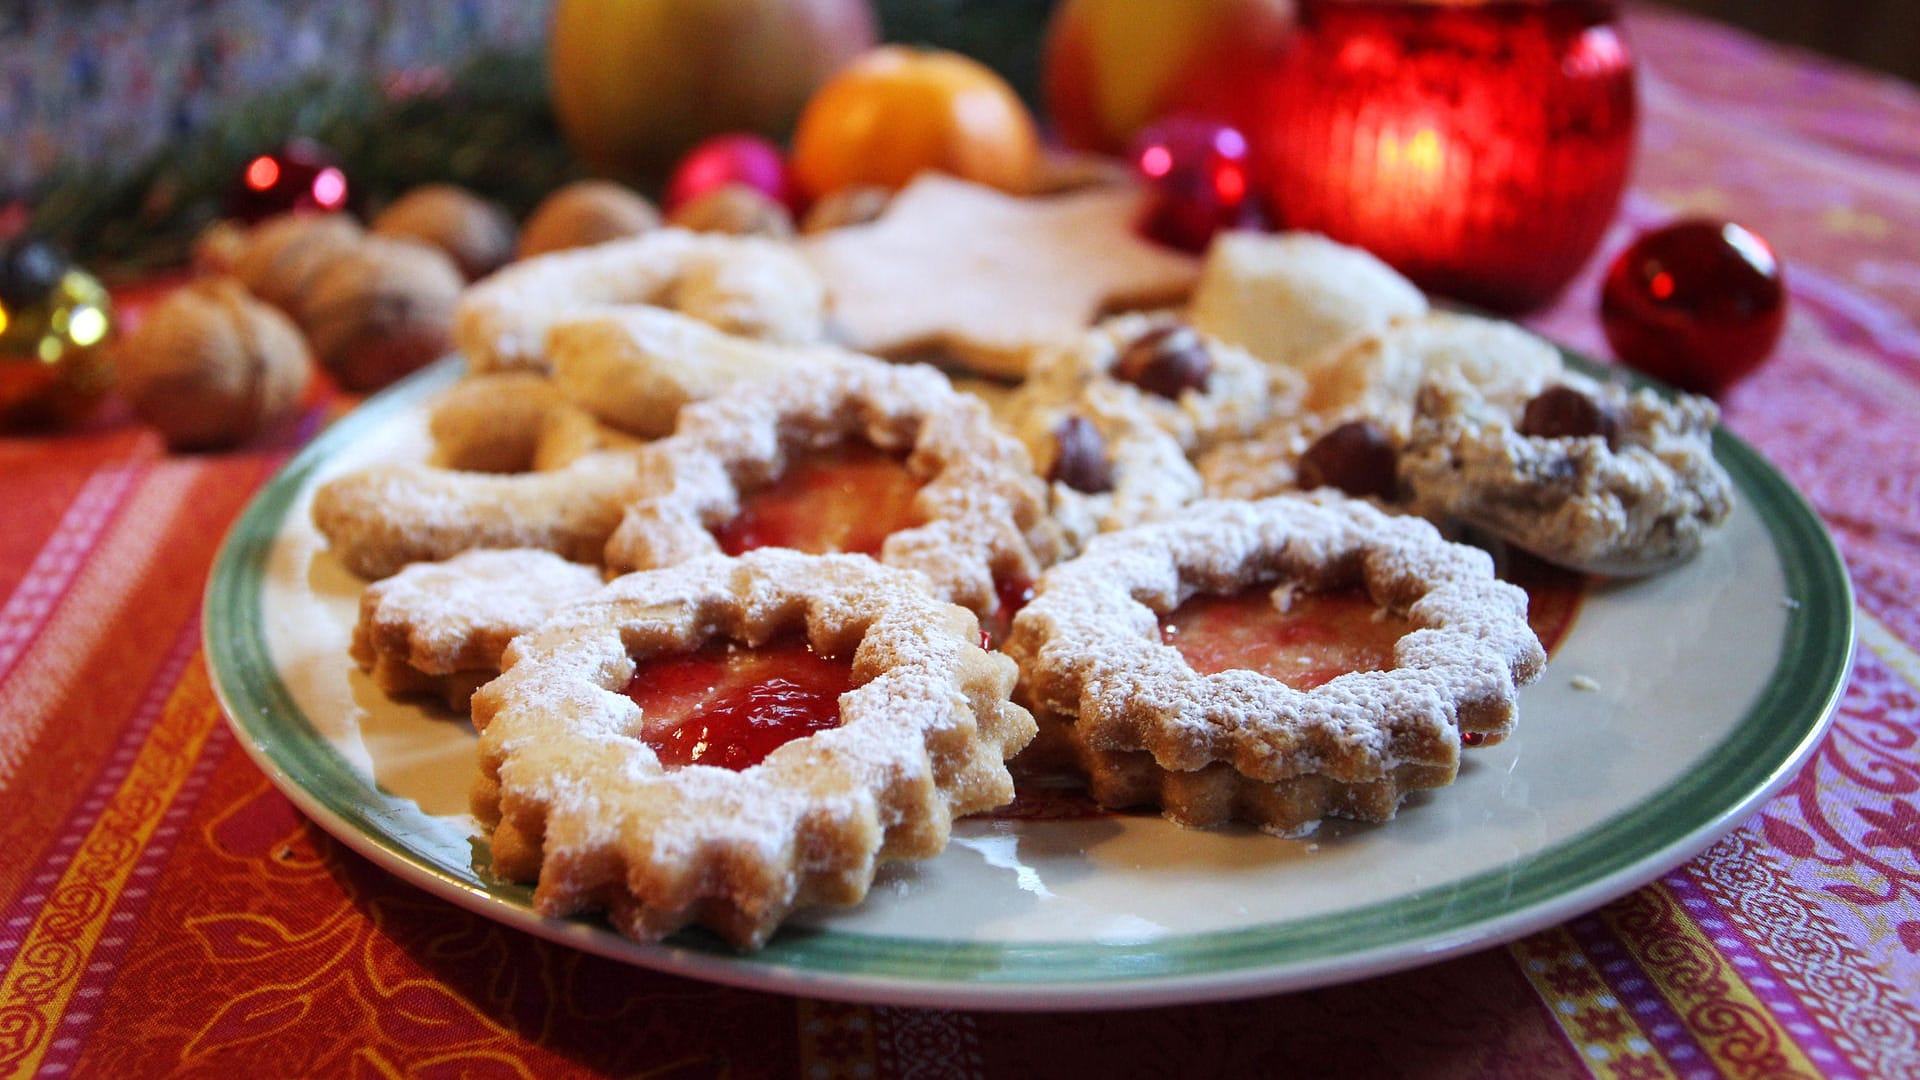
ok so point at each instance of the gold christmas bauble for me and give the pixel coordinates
(54, 366)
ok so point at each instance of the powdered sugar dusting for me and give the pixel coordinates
(984, 509)
(379, 519)
(1091, 659)
(742, 284)
(563, 768)
(1630, 505)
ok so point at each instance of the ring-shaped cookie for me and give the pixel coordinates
(1238, 745)
(744, 285)
(572, 794)
(1636, 502)
(983, 512)
(379, 519)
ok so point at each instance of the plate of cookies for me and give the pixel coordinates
(982, 607)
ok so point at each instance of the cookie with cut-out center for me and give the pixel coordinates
(1273, 662)
(728, 740)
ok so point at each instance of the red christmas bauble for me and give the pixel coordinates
(1698, 304)
(731, 159)
(1199, 175)
(301, 175)
(1480, 149)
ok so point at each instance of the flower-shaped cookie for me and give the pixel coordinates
(970, 513)
(573, 790)
(1105, 673)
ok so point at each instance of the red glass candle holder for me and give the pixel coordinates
(1480, 148)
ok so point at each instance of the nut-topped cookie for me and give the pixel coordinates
(1583, 474)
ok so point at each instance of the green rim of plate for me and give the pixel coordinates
(1758, 755)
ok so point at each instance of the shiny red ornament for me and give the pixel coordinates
(1479, 148)
(300, 176)
(1698, 304)
(732, 159)
(1199, 174)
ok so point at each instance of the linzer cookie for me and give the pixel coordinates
(440, 628)
(1166, 662)
(625, 767)
(987, 277)
(857, 456)
(1585, 475)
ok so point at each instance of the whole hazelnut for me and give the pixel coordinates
(737, 209)
(1562, 412)
(1080, 457)
(381, 311)
(211, 366)
(478, 234)
(586, 212)
(1357, 457)
(1167, 361)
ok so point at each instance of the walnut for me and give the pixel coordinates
(282, 255)
(477, 233)
(586, 212)
(381, 310)
(737, 209)
(211, 366)
(854, 205)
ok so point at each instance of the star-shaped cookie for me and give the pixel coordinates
(986, 277)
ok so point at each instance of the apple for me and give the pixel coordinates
(636, 83)
(1112, 67)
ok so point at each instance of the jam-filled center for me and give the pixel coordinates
(1012, 594)
(848, 498)
(731, 705)
(1301, 638)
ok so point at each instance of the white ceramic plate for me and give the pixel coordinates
(1706, 687)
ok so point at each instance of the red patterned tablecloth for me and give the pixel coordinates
(164, 910)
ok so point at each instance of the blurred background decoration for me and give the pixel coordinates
(128, 121)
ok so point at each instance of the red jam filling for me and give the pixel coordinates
(1319, 636)
(731, 705)
(849, 498)
(1013, 594)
